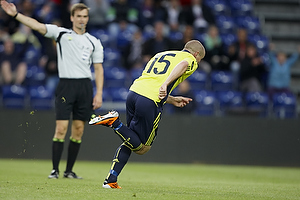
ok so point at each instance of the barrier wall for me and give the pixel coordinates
(181, 138)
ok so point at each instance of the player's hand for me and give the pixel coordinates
(162, 92)
(9, 8)
(180, 101)
(97, 101)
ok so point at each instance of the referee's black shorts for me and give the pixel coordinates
(74, 96)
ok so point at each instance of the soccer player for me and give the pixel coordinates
(144, 104)
(76, 50)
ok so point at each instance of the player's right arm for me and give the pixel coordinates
(11, 10)
(179, 69)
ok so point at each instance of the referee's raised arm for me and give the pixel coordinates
(11, 10)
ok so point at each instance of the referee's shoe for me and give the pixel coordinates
(54, 174)
(71, 175)
(105, 120)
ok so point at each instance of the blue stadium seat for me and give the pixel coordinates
(221, 80)
(257, 102)
(32, 55)
(40, 98)
(265, 56)
(1, 47)
(147, 34)
(241, 7)
(218, 7)
(175, 35)
(14, 97)
(198, 80)
(251, 23)
(38, 2)
(260, 41)
(228, 38)
(135, 73)
(206, 102)
(115, 77)
(225, 24)
(284, 105)
(103, 35)
(35, 75)
(119, 94)
(124, 38)
(200, 36)
(229, 101)
(112, 57)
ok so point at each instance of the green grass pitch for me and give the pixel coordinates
(27, 179)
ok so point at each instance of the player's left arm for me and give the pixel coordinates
(99, 79)
(178, 70)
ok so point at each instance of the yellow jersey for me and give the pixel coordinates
(157, 71)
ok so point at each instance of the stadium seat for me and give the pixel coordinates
(265, 56)
(118, 94)
(14, 97)
(225, 24)
(257, 102)
(200, 37)
(198, 80)
(32, 55)
(221, 80)
(135, 73)
(284, 105)
(260, 41)
(115, 77)
(148, 33)
(175, 35)
(251, 23)
(240, 7)
(40, 98)
(206, 102)
(1, 47)
(103, 35)
(228, 38)
(229, 101)
(112, 57)
(218, 7)
(35, 75)
(124, 38)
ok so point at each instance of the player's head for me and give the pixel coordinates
(196, 49)
(79, 17)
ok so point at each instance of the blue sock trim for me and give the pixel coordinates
(117, 128)
(113, 172)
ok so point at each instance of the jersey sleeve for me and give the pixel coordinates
(98, 53)
(53, 31)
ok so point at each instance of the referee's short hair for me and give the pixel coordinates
(78, 6)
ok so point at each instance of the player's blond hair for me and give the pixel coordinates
(194, 46)
(78, 6)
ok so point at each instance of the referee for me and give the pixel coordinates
(76, 50)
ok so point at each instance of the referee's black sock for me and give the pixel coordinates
(57, 149)
(120, 159)
(73, 150)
